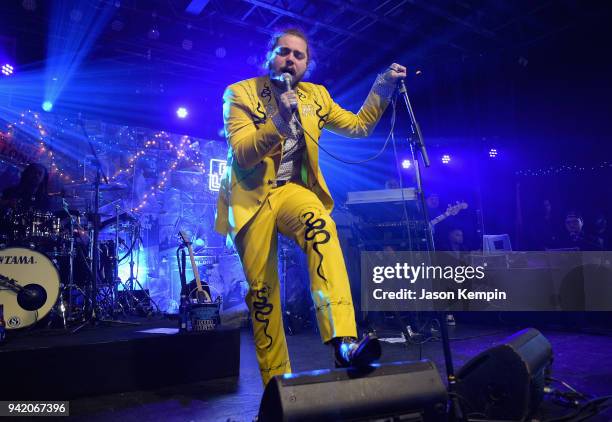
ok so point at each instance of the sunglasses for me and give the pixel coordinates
(285, 51)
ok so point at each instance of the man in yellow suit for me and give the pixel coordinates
(273, 183)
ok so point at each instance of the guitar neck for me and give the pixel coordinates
(438, 219)
(196, 273)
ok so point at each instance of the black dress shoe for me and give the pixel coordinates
(349, 352)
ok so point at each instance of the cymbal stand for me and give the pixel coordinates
(128, 285)
(116, 279)
(68, 286)
(95, 258)
(95, 216)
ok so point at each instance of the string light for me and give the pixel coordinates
(571, 168)
(153, 190)
(42, 142)
(184, 152)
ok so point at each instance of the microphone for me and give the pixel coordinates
(287, 78)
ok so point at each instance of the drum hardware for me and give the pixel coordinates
(58, 237)
(49, 234)
(66, 308)
(133, 303)
(70, 272)
(95, 311)
(31, 227)
(29, 286)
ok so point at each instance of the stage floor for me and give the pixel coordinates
(582, 360)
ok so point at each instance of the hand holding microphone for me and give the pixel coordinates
(395, 73)
(288, 99)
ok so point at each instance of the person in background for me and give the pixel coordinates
(455, 241)
(575, 236)
(31, 192)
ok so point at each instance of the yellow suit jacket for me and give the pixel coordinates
(255, 144)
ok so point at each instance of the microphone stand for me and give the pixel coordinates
(417, 144)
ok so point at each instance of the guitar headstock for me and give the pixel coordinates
(454, 209)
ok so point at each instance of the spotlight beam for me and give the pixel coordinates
(195, 7)
(69, 42)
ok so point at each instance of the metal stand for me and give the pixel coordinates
(128, 285)
(284, 255)
(95, 217)
(417, 144)
(289, 318)
(95, 257)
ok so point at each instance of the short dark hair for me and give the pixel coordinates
(273, 42)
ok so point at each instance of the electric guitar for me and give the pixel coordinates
(450, 211)
(198, 293)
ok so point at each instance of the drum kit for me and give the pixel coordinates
(54, 267)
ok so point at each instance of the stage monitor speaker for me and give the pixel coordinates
(507, 381)
(407, 391)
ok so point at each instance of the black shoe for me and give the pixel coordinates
(352, 353)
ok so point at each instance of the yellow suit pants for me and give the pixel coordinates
(298, 214)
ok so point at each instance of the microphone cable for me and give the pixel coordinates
(375, 156)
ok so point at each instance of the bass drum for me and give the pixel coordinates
(29, 286)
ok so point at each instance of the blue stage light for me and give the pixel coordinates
(74, 27)
(446, 159)
(7, 69)
(406, 164)
(47, 106)
(493, 153)
(181, 112)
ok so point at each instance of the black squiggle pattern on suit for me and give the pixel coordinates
(301, 95)
(261, 119)
(314, 227)
(322, 117)
(266, 93)
(283, 364)
(262, 310)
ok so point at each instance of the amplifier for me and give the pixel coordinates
(398, 235)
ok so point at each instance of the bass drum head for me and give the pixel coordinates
(34, 271)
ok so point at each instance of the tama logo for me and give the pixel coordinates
(11, 259)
